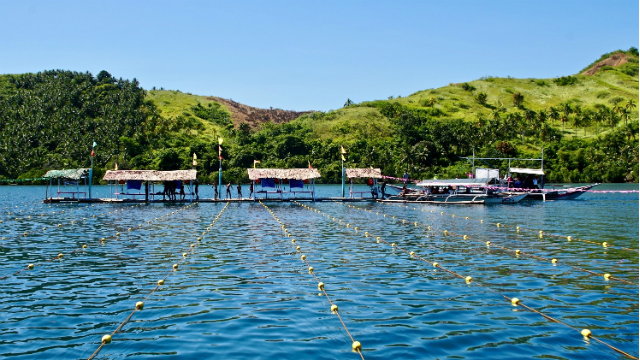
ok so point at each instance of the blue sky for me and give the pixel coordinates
(312, 55)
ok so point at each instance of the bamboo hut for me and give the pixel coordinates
(133, 180)
(371, 173)
(68, 177)
(296, 178)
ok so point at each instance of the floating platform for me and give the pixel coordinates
(203, 200)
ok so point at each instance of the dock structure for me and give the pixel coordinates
(129, 183)
(272, 181)
(66, 178)
(370, 173)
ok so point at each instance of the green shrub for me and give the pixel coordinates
(566, 80)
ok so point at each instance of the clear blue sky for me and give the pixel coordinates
(312, 55)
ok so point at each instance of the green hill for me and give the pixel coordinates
(587, 123)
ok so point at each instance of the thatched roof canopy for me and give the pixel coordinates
(364, 173)
(73, 174)
(296, 174)
(151, 175)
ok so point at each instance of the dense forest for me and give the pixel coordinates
(49, 120)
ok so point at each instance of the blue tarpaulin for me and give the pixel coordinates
(268, 183)
(296, 183)
(134, 184)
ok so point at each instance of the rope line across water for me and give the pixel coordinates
(517, 252)
(355, 345)
(469, 280)
(106, 339)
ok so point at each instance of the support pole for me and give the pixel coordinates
(90, 176)
(342, 178)
(220, 179)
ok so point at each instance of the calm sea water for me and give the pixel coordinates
(244, 293)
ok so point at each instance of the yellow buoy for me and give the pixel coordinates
(320, 286)
(310, 269)
(515, 301)
(160, 282)
(488, 243)
(446, 232)
(293, 241)
(30, 266)
(60, 256)
(84, 246)
(607, 276)
(106, 339)
(184, 254)
(356, 346)
(498, 225)
(465, 237)
(468, 279)
(517, 252)
(568, 238)
(586, 332)
(175, 266)
(303, 257)
(604, 244)
(334, 308)
(554, 261)
(435, 264)
(412, 253)
(139, 305)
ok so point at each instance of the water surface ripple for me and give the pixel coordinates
(244, 293)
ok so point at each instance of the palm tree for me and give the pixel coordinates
(496, 115)
(564, 118)
(630, 105)
(554, 114)
(348, 103)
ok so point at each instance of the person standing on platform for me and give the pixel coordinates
(250, 189)
(197, 197)
(383, 188)
(239, 191)
(215, 194)
(228, 196)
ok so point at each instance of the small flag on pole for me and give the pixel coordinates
(194, 159)
(95, 144)
(342, 150)
(220, 152)
(310, 167)
(343, 159)
(116, 166)
(255, 162)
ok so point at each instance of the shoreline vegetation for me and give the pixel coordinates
(587, 124)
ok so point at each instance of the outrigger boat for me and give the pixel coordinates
(459, 191)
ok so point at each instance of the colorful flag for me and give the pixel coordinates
(342, 150)
(255, 162)
(343, 159)
(194, 159)
(220, 152)
(310, 167)
(116, 165)
(94, 144)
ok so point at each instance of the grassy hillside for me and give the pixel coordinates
(608, 86)
(587, 123)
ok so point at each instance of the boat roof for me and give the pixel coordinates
(72, 174)
(456, 182)
(526, 171)
(363, 173)
(296, 174)
(151, 175)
